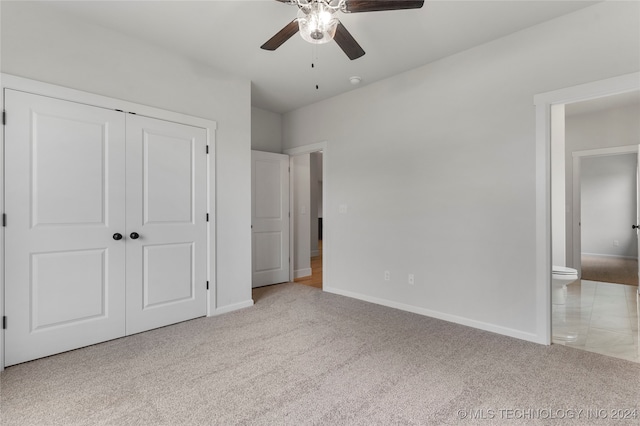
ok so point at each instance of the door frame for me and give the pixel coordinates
(9, 81)
(576, 250)
(326, 236)
(543, 103)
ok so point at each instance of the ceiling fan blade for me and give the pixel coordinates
(347, 43)
(281, 36)
(356, 6)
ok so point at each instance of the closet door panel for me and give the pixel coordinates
(166, 208)
(64, 186)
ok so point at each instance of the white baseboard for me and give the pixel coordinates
(615, 256)
(299, 273)
(234, 307)
(518, 334)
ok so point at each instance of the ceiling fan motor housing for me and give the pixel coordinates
(317, 22)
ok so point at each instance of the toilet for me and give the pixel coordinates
(560, 277)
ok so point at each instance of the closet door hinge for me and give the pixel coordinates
(4, 219)
(207, 148)
(4, 117)
(4, 322)
(207, 285)
(207, 217)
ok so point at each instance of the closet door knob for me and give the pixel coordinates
(635, 226)
(117, 236)
(134, 236)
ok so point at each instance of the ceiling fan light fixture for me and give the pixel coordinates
(317, 22)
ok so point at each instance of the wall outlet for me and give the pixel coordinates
(387, 275)
(616, 243)
(411, 279)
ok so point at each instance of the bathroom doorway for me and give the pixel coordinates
(599, 181)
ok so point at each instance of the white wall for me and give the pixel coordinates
(266, 130)
(301, 209)
(40, 43)
(599, 129)
(608, 198)
(437, 168)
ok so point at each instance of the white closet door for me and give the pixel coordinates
(270, 217)
(166, 207)
(64, 271)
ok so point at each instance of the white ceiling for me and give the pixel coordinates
(227, 35)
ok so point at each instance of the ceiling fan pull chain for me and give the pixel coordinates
(314, 60)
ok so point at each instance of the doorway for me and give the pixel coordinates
(597, 212)
(544, 103)
(314, 279)
(604, 244)
(308, 225)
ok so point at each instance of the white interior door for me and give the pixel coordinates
(64, 271)
(270, 217)
(166, 208)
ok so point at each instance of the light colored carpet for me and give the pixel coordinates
(302, 357)
(609, 269)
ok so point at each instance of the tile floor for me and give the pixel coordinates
(599, 317)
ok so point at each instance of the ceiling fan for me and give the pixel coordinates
(318, 24)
